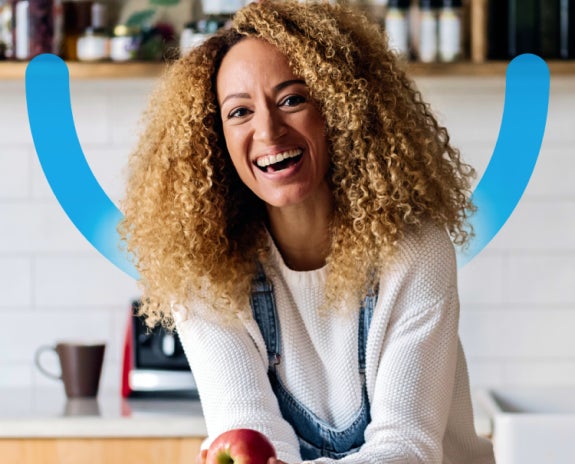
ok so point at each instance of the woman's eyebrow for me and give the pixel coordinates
(283, 85)
(277, 88)
(235, 95)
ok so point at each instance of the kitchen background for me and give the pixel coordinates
(517, 295)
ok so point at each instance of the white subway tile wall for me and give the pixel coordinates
(517, 296)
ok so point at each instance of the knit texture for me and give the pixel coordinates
(416, 374)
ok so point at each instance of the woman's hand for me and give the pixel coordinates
(275, 461)
(201, 457)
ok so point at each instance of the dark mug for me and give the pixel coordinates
(81, 366)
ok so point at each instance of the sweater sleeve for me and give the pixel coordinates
(414, 386)
(413, 343)
(229, 364)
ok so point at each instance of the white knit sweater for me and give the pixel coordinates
(416, 374)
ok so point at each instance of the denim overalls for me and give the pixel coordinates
(316, 437)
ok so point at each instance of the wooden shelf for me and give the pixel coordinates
(10, 70)
(488, 68)
(133, 70)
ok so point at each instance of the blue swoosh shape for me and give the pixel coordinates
(64, 163)
(96, 216)
(516, 151)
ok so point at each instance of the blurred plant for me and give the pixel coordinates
(156, 33)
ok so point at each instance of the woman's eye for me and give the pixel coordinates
(238, 113)
(293, 100)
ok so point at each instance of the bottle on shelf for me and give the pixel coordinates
(567, 29)
(94, 42)
(6, 39)
(21, 30)
(397, 26)
(549, 28)
(523, 27)
(428, 30)
(450, 45)
(34, 28)
(497, 35)
(77, 17)
(99, 16)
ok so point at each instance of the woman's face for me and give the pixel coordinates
(274, 133)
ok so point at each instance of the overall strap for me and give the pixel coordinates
(265, 314)
(365, 316)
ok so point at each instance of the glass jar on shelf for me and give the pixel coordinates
(124, 43)
(93, 45)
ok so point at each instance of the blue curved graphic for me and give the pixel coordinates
(96, 216)
(64, 163)
(516, 151)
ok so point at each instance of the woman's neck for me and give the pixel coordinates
(302, 233)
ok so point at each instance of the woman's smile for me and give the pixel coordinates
(280, 161)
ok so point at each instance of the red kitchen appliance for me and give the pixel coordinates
(154, 362)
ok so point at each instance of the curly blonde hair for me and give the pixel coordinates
(195, 228)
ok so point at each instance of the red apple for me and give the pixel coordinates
(240, 446)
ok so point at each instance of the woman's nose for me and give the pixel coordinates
(268, 124)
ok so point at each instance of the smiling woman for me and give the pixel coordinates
(274, 133)
(290, 207)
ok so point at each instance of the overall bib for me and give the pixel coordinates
(316, 437)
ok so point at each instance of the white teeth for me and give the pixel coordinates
(272, 159)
